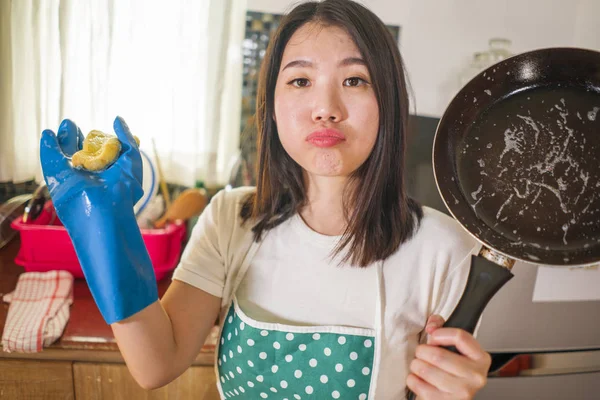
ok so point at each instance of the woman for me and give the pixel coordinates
(329, 279)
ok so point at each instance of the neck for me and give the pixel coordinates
(324, 211)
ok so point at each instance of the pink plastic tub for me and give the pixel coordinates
(46, 247)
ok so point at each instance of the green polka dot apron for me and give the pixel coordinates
(259, 360)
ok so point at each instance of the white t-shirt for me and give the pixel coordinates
(293, 280)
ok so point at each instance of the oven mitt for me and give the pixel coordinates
(96, 209)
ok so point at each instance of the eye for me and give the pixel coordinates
(299, 82)
(354, 82)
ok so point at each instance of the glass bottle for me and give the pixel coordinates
(499, 49)
(479, 62)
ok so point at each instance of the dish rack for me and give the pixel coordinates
(46, 246)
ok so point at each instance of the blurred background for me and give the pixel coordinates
(184, 75)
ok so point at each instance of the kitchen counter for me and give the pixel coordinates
(87, 352)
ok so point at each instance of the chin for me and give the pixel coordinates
(329, 171)
(329, 174)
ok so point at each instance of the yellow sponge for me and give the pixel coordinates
(99, 151)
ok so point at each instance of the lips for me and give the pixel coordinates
(326, 138)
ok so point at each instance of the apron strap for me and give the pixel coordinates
(379, 320)
(243, 269)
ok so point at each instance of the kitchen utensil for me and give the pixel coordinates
(163, 183)
(35, 205)
(188, 204)
(12, 209)
(46, 247)
(516, 159)
(155, 209)
(149, 183)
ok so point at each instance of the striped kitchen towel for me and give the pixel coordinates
(38, 311)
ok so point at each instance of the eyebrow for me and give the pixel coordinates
(308, 64)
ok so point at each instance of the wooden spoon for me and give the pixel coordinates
(188, 204)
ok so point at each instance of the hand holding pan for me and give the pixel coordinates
(516, 159)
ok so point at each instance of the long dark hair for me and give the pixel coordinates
(380, 216)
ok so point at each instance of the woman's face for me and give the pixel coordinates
(325, 107)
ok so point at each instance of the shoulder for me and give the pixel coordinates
(221, 220)
(227, 204)
(233, 197)
(443, 231)
(439, 240)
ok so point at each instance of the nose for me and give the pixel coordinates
(327, 106)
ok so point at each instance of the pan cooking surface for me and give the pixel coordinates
(530, 169)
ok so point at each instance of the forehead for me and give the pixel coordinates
(319, 41)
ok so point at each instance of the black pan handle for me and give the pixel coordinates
(485, 279)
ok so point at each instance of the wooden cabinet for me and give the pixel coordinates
(64, 380)
(85, 363)
(113, 381)
(43, 380)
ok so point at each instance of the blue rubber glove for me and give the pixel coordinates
(96, 209)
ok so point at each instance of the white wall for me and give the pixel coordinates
(438, 37)
(586, 25)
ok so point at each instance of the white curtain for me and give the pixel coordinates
(172, 69)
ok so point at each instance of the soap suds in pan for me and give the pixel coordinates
(532, 171)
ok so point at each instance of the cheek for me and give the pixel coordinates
(366, 122)
(289, 117)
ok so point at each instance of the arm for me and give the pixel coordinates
(160, 342)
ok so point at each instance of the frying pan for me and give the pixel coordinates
(516, 158)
